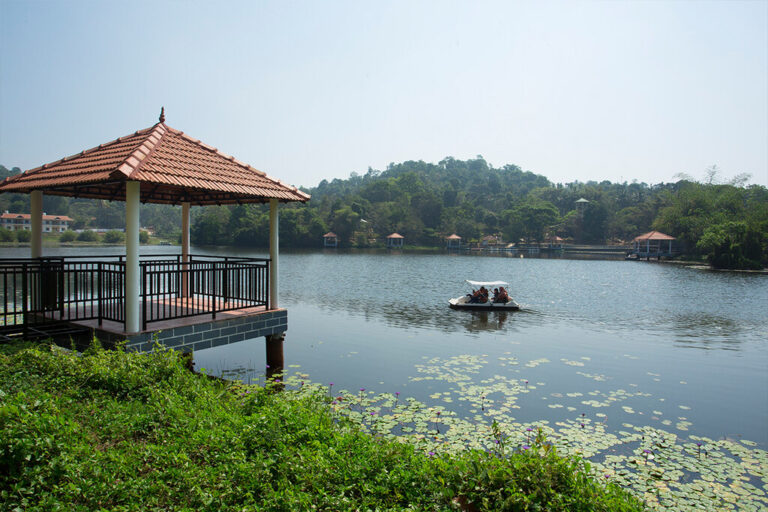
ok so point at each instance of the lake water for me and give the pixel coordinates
(605, 355)
(697, 339)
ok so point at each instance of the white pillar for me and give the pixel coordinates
(132, 275)
(273, 253)
(36, 209)
(184, 249)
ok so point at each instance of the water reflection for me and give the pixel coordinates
(485, 320)
(706, 331)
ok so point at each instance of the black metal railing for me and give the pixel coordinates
(36, 291)
(177, 289)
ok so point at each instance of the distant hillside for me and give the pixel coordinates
(426, 202)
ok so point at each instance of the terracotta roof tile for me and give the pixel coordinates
(172, 167)
(653, 235)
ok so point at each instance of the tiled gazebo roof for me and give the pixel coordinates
(653, 235)
(395, 235)
(171, 166)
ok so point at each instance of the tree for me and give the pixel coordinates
(733, 245)
(594, 222)
(530, 220)
(345, 222)
(114, 237)
(211, 227)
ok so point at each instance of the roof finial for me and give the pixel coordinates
(162, 114)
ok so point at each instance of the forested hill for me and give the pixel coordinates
(426, 202)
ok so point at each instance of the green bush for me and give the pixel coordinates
(87, 236)
(68, 236)
(6, 235)
(114, 237)
(143, 237)
(110, 430)
(23, 235)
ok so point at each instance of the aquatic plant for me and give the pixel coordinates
(659, 466)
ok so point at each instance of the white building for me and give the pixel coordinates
(23, 222)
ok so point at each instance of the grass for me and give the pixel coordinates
(110, 430)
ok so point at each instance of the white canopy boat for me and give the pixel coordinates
(475, 302)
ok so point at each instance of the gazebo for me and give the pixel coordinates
(555, 242)
(395, 241)
(453, 241)
(651, 245)
(132, 297)
(330, 239)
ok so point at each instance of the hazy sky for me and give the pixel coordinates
(319, 89)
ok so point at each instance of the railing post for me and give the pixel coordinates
(98, 291)
(266, 280)
(143, 293)
(24, 298)
(225, 280)
(213, 298)
(61, 291)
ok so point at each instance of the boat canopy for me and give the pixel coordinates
(487, 284)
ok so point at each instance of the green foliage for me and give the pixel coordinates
(6, 235)
(87, 236)
(110, 430)
(23, 235)
(728, 224)
(114, 237)
(531, 219)
(143, 237)
(67, 236)
(733, 245)
(426, 202)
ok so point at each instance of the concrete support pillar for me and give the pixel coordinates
(273, 254)
(185, 249)
(275, 355)
(132, 274)
(36, 209)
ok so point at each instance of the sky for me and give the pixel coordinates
(308, 90)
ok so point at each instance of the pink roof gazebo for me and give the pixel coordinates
(649, 245)
(330, 239)
(453, 241)
(395, 240)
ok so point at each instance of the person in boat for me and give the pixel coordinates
(483, 295)
(474, 297)
(495, 295)
(502, 297)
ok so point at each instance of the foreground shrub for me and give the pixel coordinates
(121, 431)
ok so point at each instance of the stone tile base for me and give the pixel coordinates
(189, 338)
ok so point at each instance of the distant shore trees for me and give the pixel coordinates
(726, 223)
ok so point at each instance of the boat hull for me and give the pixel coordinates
(462, 303)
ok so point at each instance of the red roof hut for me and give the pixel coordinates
(651, 245)
(395, 240)
(330, 239)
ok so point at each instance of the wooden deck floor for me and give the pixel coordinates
(198, 309)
